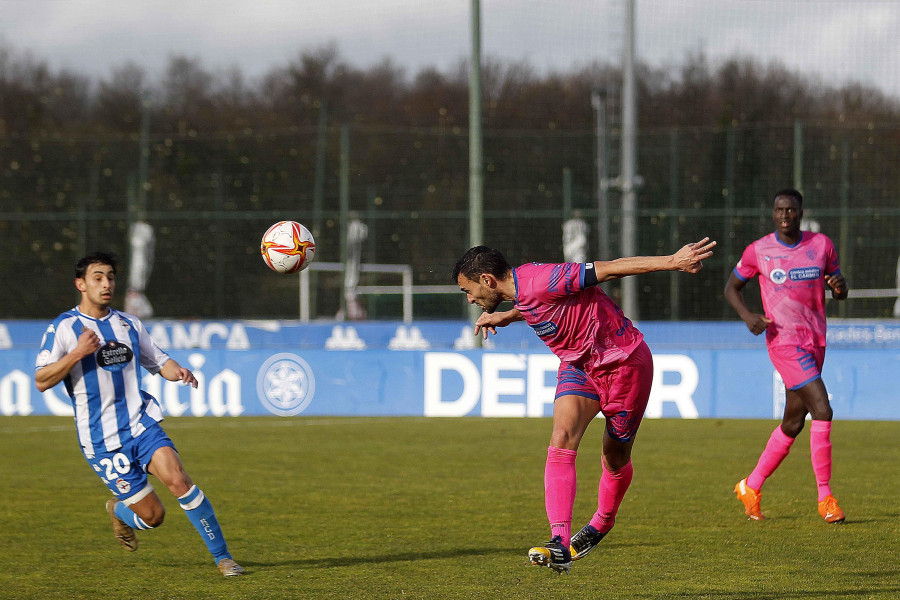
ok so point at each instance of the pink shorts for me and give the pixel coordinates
(797, 365)
(622, 389)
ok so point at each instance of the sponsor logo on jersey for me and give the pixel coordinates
(804, 273)
(114, 356)
(778, 276)
(545, 328)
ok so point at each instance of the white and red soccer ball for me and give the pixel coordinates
(288, 247)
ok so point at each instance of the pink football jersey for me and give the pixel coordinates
(792, 285)
(582, 326)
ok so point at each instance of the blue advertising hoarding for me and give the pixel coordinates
(702, 370)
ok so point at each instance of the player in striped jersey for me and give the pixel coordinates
(98, 352)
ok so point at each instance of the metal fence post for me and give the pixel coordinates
(674, 201)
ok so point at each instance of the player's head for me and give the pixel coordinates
(101, 258)
(787, 211)
(477, 274)
(95, 278)
(790, 193)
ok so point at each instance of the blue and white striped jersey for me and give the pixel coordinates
(105, 388)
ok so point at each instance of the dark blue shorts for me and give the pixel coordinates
(124, 471)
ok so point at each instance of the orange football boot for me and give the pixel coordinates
(750, 498)
(830, 511)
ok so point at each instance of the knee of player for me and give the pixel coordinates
(793, 427)
(824, 413)
(616, 459)
(180, 485)
(156, 518)
(562, 438)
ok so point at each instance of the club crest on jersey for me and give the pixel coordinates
(778, 276)
(123, 486)
(114, 356)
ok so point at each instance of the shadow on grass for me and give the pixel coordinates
(349, 561)
(412, 556)
(886, 592)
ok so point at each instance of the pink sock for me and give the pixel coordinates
(777, 448)
(820, 452)
(613, 485)
(559, 491)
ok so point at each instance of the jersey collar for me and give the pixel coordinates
(789, 245)
(103, 318)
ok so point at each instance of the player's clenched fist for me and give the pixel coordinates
(88, 342)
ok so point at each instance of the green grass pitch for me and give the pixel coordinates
(446, 508)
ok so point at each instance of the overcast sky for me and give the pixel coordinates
(834, 40)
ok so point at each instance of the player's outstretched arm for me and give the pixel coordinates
(839, 289)
(489, 322)
(688, 259)
(172, 371)
(755, 322)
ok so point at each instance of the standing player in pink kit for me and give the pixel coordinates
(604, 366)
(793, 267)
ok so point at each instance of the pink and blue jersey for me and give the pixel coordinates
(580, 324)
(792, 285)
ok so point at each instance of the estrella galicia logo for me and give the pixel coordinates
(285, 384)
(114, 356)
(545, 328)
(778, 276)
(804, 273)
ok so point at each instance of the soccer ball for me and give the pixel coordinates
(287, 247)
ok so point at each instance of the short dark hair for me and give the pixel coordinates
(478, 260)
(103, 258)
(790, 193)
